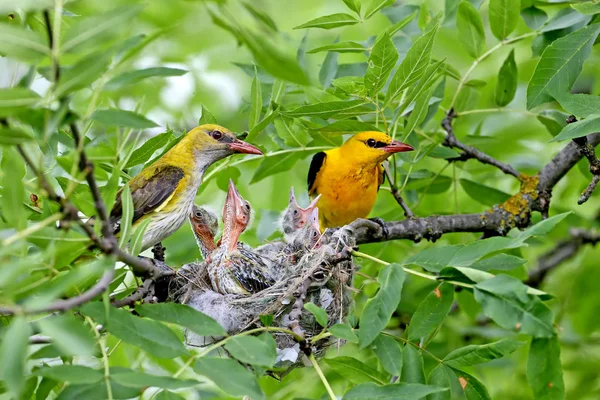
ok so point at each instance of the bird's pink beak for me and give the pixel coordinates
(239, 146)
(397, 147)
(293, 197)
(314, 219)
(313, 203)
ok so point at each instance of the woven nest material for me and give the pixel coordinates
(321, 276)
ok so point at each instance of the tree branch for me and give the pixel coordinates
(471, 152)
(590, 153)
(396, 193)
(563, 251)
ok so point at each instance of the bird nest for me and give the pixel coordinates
(321, 276)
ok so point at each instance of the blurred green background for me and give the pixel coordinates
(219, 78)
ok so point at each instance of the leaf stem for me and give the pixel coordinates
(32, 229)
(481, 58)
(498, 109)
(408, 270)
(102, 344)
(313, 360)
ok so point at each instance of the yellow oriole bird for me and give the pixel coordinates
(348, 177)
(164, 192)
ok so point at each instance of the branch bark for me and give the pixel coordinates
(590, 153)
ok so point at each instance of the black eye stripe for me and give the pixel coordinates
(373, 143)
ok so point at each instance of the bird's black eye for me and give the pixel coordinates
(315, 234)
(247, 206)
(371, 142)
(217, 135)
(198, 214)
(295, 212)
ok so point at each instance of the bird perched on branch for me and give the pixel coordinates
(164, 192)
(294, 217)
(348, 177)
(235, 268)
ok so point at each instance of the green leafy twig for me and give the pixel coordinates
(315, 364)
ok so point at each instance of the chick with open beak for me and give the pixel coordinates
(205, 226)
(236, 268)
(294, 217)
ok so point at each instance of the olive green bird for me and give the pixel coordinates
(164, 192)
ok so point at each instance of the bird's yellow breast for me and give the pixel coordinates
(348, 189)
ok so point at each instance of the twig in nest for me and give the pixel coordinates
(138, 295)
(471, 152)
(589, 152)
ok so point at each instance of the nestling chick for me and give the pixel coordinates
(237, 269)
(205, 226)
(294, 217)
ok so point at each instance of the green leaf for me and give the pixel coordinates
(434, 259)
(414, 64)
(396, 391)
(502, 262)
(474, 390)
(328, 69)
(581, 105)
(71, 373)
(252, 350)
(560, 65)
(431, 312)
(150, 146)
(504, 16)
(356, 371)
(376, 5)
(389, 353)
(588, 8)
(206, 117)
(579, 128)
(343, 331)
(132, 77)
(318, 312)
(13, 189)
(470, 29)
(261, 16)
(141, 380)
(256, 103)
(166, 395)
(182, 315)
(506, 301)
(230, 376)
(16, 99)
(329, 109)
(126, 217)
(70, 335)
(392, 30)
(553, 120)
(506, 87)
(262, 125)
(329, 21)
(135, 246)
(483, 194)
(83, 73)
(13, 352)
(128, 119)
(412, 369)
(379, 309)
(534, 17)
(418, 114)
(353, 5)
(381, 62)
(478, 354)
(347, 126)
(21, 44)
(95, 28)
(439, 377)
(109, 191)
(150, 336)
(565, 18)
(271, 165)
(272, 59)
(544, 370)
(340, 47)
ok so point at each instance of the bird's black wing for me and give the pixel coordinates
(380, 176)
(147, 193)
(315, 166)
